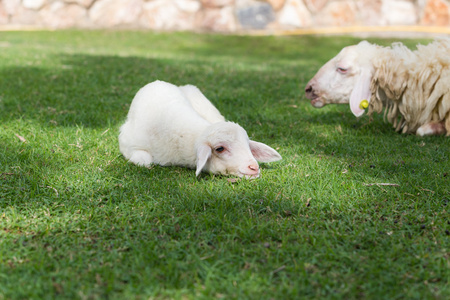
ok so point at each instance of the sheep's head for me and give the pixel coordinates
(224, 148)
(345, 78)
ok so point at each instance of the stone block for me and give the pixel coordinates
(217, 19)
(437, 13)
(114, 13)
(11, 6)
(276, 4)
(27, 17)
(217, 3)
(316, 5)
(63, 15)
(189, 6)
(339, 13)
(33, 4)
(255, 16)
(295, 14)
(399, 12)
(167, 15)
(3, 15)
(83, 3)
(369, 12)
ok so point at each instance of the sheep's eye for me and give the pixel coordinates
(220, 149)
(341, 70)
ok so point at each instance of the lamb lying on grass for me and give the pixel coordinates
(412, 86)
(170, 125)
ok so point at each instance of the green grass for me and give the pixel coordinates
(78, 221)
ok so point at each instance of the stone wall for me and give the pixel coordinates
(221, 15)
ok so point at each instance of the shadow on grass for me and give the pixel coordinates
(95, 92)
(89, 90)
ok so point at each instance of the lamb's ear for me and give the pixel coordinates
(263, 153)
(203, 154)
(361, 91)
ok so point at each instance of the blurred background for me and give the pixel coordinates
(231, 16)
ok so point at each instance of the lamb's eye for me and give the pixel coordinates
(341, 70)
(220, 149)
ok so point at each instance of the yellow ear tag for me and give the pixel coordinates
(364, 104)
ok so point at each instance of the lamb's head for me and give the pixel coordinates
(224, 148)
(346, 78)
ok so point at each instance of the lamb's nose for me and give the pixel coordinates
(253, 167)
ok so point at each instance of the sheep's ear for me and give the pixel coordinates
(203, 154)
(263, 153)
(361, 91)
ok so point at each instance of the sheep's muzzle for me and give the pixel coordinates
(310, 94)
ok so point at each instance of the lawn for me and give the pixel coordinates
(79, 222)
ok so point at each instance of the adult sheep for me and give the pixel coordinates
(171, 125)
(412, 86)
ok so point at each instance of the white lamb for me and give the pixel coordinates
(412, 86)
(170, 125)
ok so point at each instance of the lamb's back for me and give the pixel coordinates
(201, 104)
(162, 122)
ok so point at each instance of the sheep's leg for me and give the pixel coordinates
(447, 123)
(141, 158)
(432, 128)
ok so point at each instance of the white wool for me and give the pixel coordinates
(201, 104)
(412, 86)
(170, 125)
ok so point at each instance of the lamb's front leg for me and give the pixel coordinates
(432, 128)
(141, 158)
